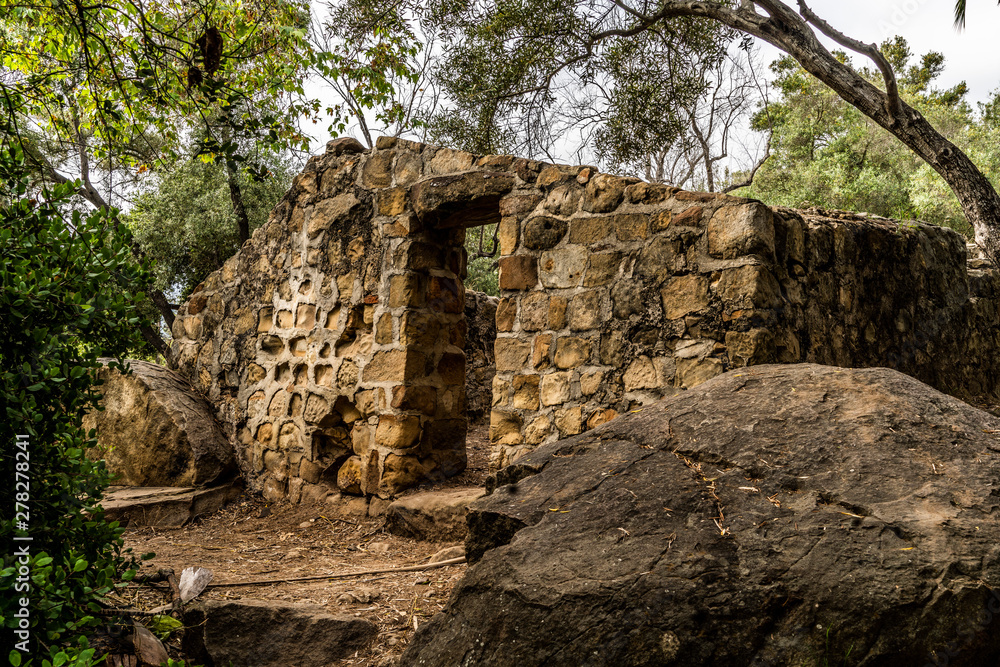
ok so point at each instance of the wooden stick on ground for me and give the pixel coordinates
(340, 575)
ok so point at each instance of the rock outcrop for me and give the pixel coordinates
(155, 430)
(264, 633)
(774, 515)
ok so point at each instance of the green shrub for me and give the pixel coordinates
(67, 288)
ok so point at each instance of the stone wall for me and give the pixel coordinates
(332, 344)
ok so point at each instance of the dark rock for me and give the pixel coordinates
(257, 633)
(542, 233)
(774, 515)
(431, 515)
(155, 430)
(344, 145)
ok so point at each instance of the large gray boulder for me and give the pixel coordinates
(775, 515)
(155, 430)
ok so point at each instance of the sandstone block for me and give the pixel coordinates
(507, 235)
(683, 295)
(511, 354)
(563, 200)
(572, 352)
(746, 348)
(421, 330)
(541, 347)
(750, 286)
(569, 421)
(331, 211)
(586, 311)
(317, 408)
(445, 295)
(408, 169)
(451, 368)
(377, 172)
(747, 229)
(406, 290)
(551, 175)
(395, 366)
(519, 272)
(589, 230)
(349, 476)
(631, 227)
(647, 373)
(305, 316)
(557, 312)
(265, 320)
(518, 206)
(525, 392)
(505, 427)
(601, 417)
(689, 217)
(604, 193)
(555, 388)
(591, 382)
(347, 375)
(534, 311)
(391, 202)
(431, 515)
(602, 268)
(692, 372)
(562, 267)
(401, 472)
(397, 431)
(506, 314)
(255, 374)
(285, 319)
(539, 429)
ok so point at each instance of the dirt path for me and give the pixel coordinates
(253, 540)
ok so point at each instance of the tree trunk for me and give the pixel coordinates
(791, 33)
(236, 197)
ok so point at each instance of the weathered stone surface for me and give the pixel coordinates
(604, 192)
(542, 233)
(165, 507)
(683, 295)
(519, 272)
(741, 230)
(431, 515)
(461, 200)
(267, 633)
(562, 267)
(156, 431)
(741, 523)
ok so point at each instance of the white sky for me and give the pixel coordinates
(972, 55)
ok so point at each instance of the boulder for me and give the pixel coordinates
(431, 515)
(774, 515)
(155, 430)
(259, 633)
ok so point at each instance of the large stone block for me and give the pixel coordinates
(519, 272)
(156, 431)
(683, 295)
(747, 229)
(395, 366)
(563, 267)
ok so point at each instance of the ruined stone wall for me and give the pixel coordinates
(617, 293)
(332, 344)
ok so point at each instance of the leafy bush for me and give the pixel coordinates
(67, 290)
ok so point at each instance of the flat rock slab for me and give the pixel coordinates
(774, 515)
(155, 430)
(432, 515)
(259, 633)
(167, 506)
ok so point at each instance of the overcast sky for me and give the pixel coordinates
(972, 55)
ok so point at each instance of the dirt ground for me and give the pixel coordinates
(252, 540)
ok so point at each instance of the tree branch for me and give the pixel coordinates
(893, 106)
